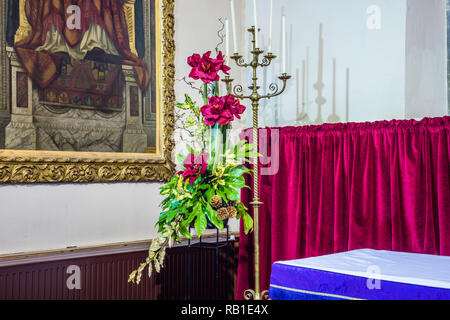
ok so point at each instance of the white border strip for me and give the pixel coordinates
(314, 293)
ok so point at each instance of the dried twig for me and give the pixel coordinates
(220, 35)
(191, 85)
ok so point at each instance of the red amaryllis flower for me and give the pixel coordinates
(216, 112)
(206, 68)
(235, 106)
(194, 167)
(222, 110)
(223, 67)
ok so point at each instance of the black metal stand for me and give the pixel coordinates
(207, 245)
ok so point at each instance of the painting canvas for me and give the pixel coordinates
(82, 76)
(82, 90)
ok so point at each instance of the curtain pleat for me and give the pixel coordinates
(339, 187)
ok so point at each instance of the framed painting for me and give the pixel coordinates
(87, 91)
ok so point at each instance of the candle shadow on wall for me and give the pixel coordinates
(333, 117)
(347, 97)
(302, 88)
(320, 85)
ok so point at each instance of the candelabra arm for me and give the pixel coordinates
(253, 295)
(240, 60)
(237, 90)
(267, 60)
(240, 97)
(275, 90)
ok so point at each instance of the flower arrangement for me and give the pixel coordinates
(206, 192)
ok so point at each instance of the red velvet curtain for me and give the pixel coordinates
(340, 187)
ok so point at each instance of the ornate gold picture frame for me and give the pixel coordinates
(30, 165)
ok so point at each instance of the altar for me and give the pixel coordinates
(362, 274)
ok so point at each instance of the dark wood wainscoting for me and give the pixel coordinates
(104, 274)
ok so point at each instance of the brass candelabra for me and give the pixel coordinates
(255, 97)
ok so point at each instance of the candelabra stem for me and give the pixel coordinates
(256, 201)
(255, 97)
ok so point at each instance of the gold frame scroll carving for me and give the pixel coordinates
(27, 167)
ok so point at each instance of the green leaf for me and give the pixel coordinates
(200, 223)
(238, 183)
(166, 204)
(183, 106)
(240, 144)
(209, 194)
(241, 210)
(240, 179)
(212, 216)
(163, 215)
(171, 215)
(249, 146)
(189, 217)
(238, 171)
(175, 204)
(197, 209)
(241, 207)
(190, 149)
(188, 100)
(183, 230)
(248, 223)
(190, 121)
(252, 154)
(221, 194)
(231, 193)
(181, 158)
(243, 151)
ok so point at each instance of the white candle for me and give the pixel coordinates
(233, 22)
(320, 69)
(227, 38)
(284, 43)
(271, 26)
(297, 91)
(247, 48)
(255, 14)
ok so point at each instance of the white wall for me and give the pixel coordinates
(47, 217)
(375, 59)
(396, 71)
(426, 59)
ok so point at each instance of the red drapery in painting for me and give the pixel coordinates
(382, 185)
(43, 66)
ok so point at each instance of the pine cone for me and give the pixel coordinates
(216, 202)
(232, 212)
(222, 213)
